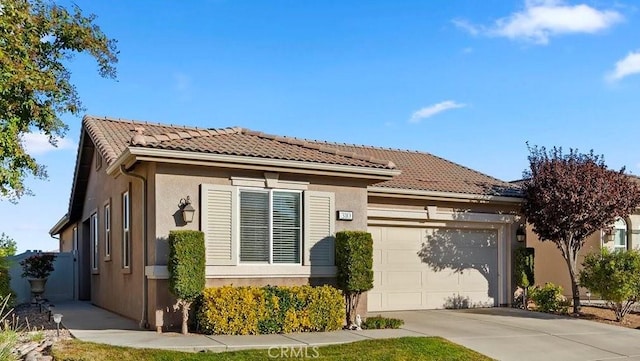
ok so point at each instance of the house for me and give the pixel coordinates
(551, 267)
(269, 207)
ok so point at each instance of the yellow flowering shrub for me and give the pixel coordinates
(271, 309)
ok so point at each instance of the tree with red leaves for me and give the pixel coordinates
(570, 196)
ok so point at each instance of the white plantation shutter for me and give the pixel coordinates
(319, 223)
(218, 223)
(254, 226)
(286, 227)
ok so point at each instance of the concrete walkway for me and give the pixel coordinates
(89, 323)
(500, 333)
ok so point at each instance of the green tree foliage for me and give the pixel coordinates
(186, 269)
(36, 38)
(354, 260)
(8, 248)
(615, 276)
(570, 196)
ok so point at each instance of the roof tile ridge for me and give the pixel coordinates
(99, 140)
(168, 125)
(320, 147)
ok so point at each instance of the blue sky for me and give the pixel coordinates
(468, 80)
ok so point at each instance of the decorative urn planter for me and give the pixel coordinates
(37, 287)
(36, 269)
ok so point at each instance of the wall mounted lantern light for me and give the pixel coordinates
(521, 234)
(187, 210)
(609, 234)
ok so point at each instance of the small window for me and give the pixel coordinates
(270, 226)
(75, 239)
(107, 231)
(93, 227)
(98, 160)
(620, 238)
(126, 234)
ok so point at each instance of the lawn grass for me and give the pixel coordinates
(406, 349)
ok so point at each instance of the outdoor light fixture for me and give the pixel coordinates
(609, 234)
(57, 318)
(187, 210)
(521, 235)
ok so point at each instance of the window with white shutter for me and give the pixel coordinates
(267, 226)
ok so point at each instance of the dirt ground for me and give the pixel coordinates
(632, 320)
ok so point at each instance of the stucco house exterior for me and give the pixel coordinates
(269, 207)
(550, 266)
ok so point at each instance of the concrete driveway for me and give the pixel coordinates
(512, 334)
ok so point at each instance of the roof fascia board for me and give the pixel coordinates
(435, 195)
(196, 158)
(60, 225)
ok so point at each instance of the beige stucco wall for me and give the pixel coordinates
(113, 287)
(174, 182)
(66, 239)
(550, 266)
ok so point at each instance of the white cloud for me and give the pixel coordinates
(629, 65)
(542, 19)
(38, 144)
(434, 109)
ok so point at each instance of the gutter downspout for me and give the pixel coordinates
(144, 323)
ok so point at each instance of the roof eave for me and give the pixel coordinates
(60, 225)
(435, 195)
(132, 154)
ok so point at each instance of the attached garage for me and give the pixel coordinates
(435, 267)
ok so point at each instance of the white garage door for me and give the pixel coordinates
(427, 268)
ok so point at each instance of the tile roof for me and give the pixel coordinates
(113, 136)
(427, 172)
(420, 171)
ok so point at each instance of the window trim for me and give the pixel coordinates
(126, 230)
(108, 246)
(626, 235)
(270, 192)
(94, 237)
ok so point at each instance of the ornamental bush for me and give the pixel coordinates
(232, 310)
(354, 260)
(186, 269)
(615, 276)
(379, 322)
(523, 272)
(549, 298)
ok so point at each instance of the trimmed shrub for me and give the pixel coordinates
(549, 298)
(354, 260)
(379, 322)
(615, 276)
(232, 310)
(523, 273)
(186, 269)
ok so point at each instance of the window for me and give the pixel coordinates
(270, 226)
(75, 239)
(126, 234)
(93, 230)
(107, 231)
(620, 237)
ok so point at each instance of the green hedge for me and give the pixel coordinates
(354, 260)
(379, 322)
(549, 298)
(186, 264)
(232, 310)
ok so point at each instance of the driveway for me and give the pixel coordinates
(512, 334)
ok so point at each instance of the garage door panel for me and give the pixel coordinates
(402, 280)
(446, 267)
(404, 300)
(403, 257)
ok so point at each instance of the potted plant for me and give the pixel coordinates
(36, 269)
